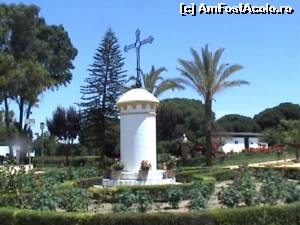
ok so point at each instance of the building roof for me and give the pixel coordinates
(239, 134)
(137, 95)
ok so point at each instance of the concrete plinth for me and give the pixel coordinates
(156, 177)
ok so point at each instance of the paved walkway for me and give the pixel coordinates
(276, 163)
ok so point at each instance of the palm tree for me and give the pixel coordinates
(155, 83)
(207, 77)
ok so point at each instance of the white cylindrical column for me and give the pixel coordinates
(138, 128)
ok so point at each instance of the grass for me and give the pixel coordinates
(238, 159)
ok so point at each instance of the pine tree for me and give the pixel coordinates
(102, 88)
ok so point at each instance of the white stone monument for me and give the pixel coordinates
(138, 138)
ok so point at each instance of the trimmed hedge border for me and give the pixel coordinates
(220, 174)
(289, 172)
(275, 215)
(59, 161)
(158, 192)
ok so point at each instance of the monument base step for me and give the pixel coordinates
(114, 182)
(152, 177)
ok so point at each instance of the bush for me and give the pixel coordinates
(45, 199)
(174, 196)
(74, 199)
(157, 192)
(199, 195)
(275, 215)
(292, 193)
(144, 201)
(58, 161)
(125, 201)
(272, 188)
(230, 196)
(245, 183)
(197, 202)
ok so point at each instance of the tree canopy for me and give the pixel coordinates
(178, 116)
(237, 123)
(34, 57)
(271, 117)
(102, 88)
(208, 77)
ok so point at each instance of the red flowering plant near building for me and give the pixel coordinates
(145, 165)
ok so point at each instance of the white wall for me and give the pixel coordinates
(254, 142)
(235, 144)
(138, 137)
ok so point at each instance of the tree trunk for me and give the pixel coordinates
(21, 115)
(103, 122)
(208, 131)
(7, 126)
(28, 112)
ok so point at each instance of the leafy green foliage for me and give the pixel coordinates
(199, 195)
(174, 196)
(245, 183)
(178, 116)
(74, 199)
(208, 77)
(45, 199)
(237, 123)
(230, 196)
(271, 117)
(144, 201)
(125, 201)
(41, 54)
(102, 88)
(156, 84)
(272, 188)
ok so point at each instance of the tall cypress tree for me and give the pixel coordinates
(102, 88)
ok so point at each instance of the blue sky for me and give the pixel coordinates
(268, 46)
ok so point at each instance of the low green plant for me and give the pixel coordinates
(292, 192)
(45, 199)
(125, 201)
(197, 202)
(174, 196)
(230, 196)
(272, 188)
(74, 199)
(144, 201)
(244, 182)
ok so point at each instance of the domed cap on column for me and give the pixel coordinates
(137, 95)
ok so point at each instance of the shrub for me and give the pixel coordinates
(292, 193)
(275, 215)
(125, 201)
(58, 161)
(74, 199)
(174, 196)
(199, 195)
(272, 188)
(45, 199)
(144, 201)
(197, 202)
(157, 192)
(230, 196)
(246, 185)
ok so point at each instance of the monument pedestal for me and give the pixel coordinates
(155, 177)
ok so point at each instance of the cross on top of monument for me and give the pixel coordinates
(137, 45)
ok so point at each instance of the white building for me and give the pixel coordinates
(239, 141)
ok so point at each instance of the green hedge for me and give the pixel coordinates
(220, 174)
(58, 161)
(291, 173)
(158, 192)
(275, 215)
